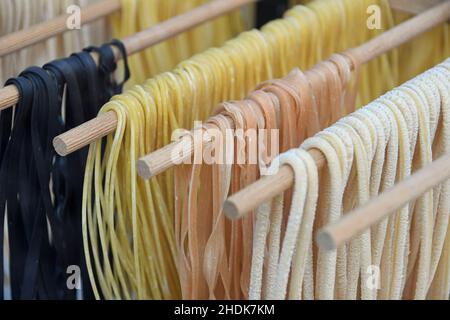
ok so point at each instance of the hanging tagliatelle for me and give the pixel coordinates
(42, 202)
(367, 152)
(130, 238)
(137, 15)
(293, 106)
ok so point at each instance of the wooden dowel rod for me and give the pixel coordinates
(9, 96)
(40, 32)
(374, 47)
(154, 35)
(236, 208)
(181, 23)
(161, 160)
(414, 7)
(403, 32)
(101, 125)
(25, 38)
(356, 222)
(242, 202)
(160, 157)
(248, 199)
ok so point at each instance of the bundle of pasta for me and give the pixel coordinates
(134, 220)
(367, 152)
(214, 252)
(137, 15)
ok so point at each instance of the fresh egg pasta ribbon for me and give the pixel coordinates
(120, 219)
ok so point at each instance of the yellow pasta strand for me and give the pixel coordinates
(137, 15)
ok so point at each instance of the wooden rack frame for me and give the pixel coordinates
(377, 209)
(43, 31)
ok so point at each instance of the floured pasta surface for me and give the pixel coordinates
(367, 152)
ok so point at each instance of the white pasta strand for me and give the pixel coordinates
(367, 153)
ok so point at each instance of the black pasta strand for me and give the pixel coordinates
(40, 191)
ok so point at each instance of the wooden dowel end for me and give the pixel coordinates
(259, 192)
(250, 198)
(143, 170)
(60, 146)
(231, 210)
(9, 96)
(85, 134)
(165, 158)
(356, 222)
(325, 240)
